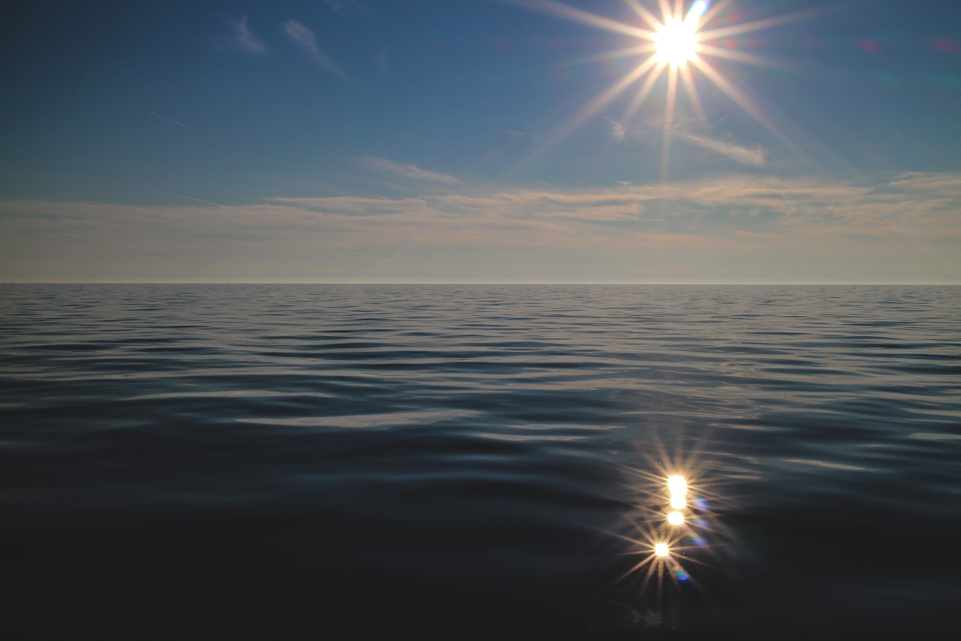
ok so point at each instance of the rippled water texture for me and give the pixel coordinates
(480, 462)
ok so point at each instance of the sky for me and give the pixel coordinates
(801, 141)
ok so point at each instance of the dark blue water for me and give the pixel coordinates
(480, 462)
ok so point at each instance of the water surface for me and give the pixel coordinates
(480, 462)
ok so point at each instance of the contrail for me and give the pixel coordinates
(167, 119)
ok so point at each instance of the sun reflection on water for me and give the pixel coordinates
(674, 527)
(676, 485)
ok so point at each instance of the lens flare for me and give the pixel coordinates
(678, 502)
(675, 518)
(661, 550)
(677, 485)
(698, 8)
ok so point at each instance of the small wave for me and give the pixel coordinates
(833, 466)
(929, 436)
(363, 420)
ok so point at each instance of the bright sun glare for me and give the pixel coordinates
(677, 41)
(678, 44)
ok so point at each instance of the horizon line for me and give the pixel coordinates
(580, 283)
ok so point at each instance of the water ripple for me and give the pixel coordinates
(484, 447)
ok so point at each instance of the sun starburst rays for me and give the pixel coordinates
(677, 46)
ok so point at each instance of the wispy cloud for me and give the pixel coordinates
(176, 122)
(355, 205)
(945, 183)
(750, 156)
(717, 208)
(408, 171)
(305, 39)
(242, 39)
(618, 131)
(736, 228)
(196, 200)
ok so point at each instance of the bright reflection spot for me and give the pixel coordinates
(676, 42)
(677, 485)
(669, 537)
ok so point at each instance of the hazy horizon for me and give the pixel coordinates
(492, 282)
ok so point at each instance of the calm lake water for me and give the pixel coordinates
(480, 462)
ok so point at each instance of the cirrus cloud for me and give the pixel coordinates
(306, 41)
(407, 171)
(242, 39)
(750, 156)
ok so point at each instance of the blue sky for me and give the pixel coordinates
(439, 141)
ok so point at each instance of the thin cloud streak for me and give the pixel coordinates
(407, 171)
(196, 200)
(748, 156)
(340, 205)
(176, 122)
(243, 39)
(752, 157)
(305, 39)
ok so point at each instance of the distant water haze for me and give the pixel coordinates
(480, 462)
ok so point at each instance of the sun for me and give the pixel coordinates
(677, 45)
(677, 42)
